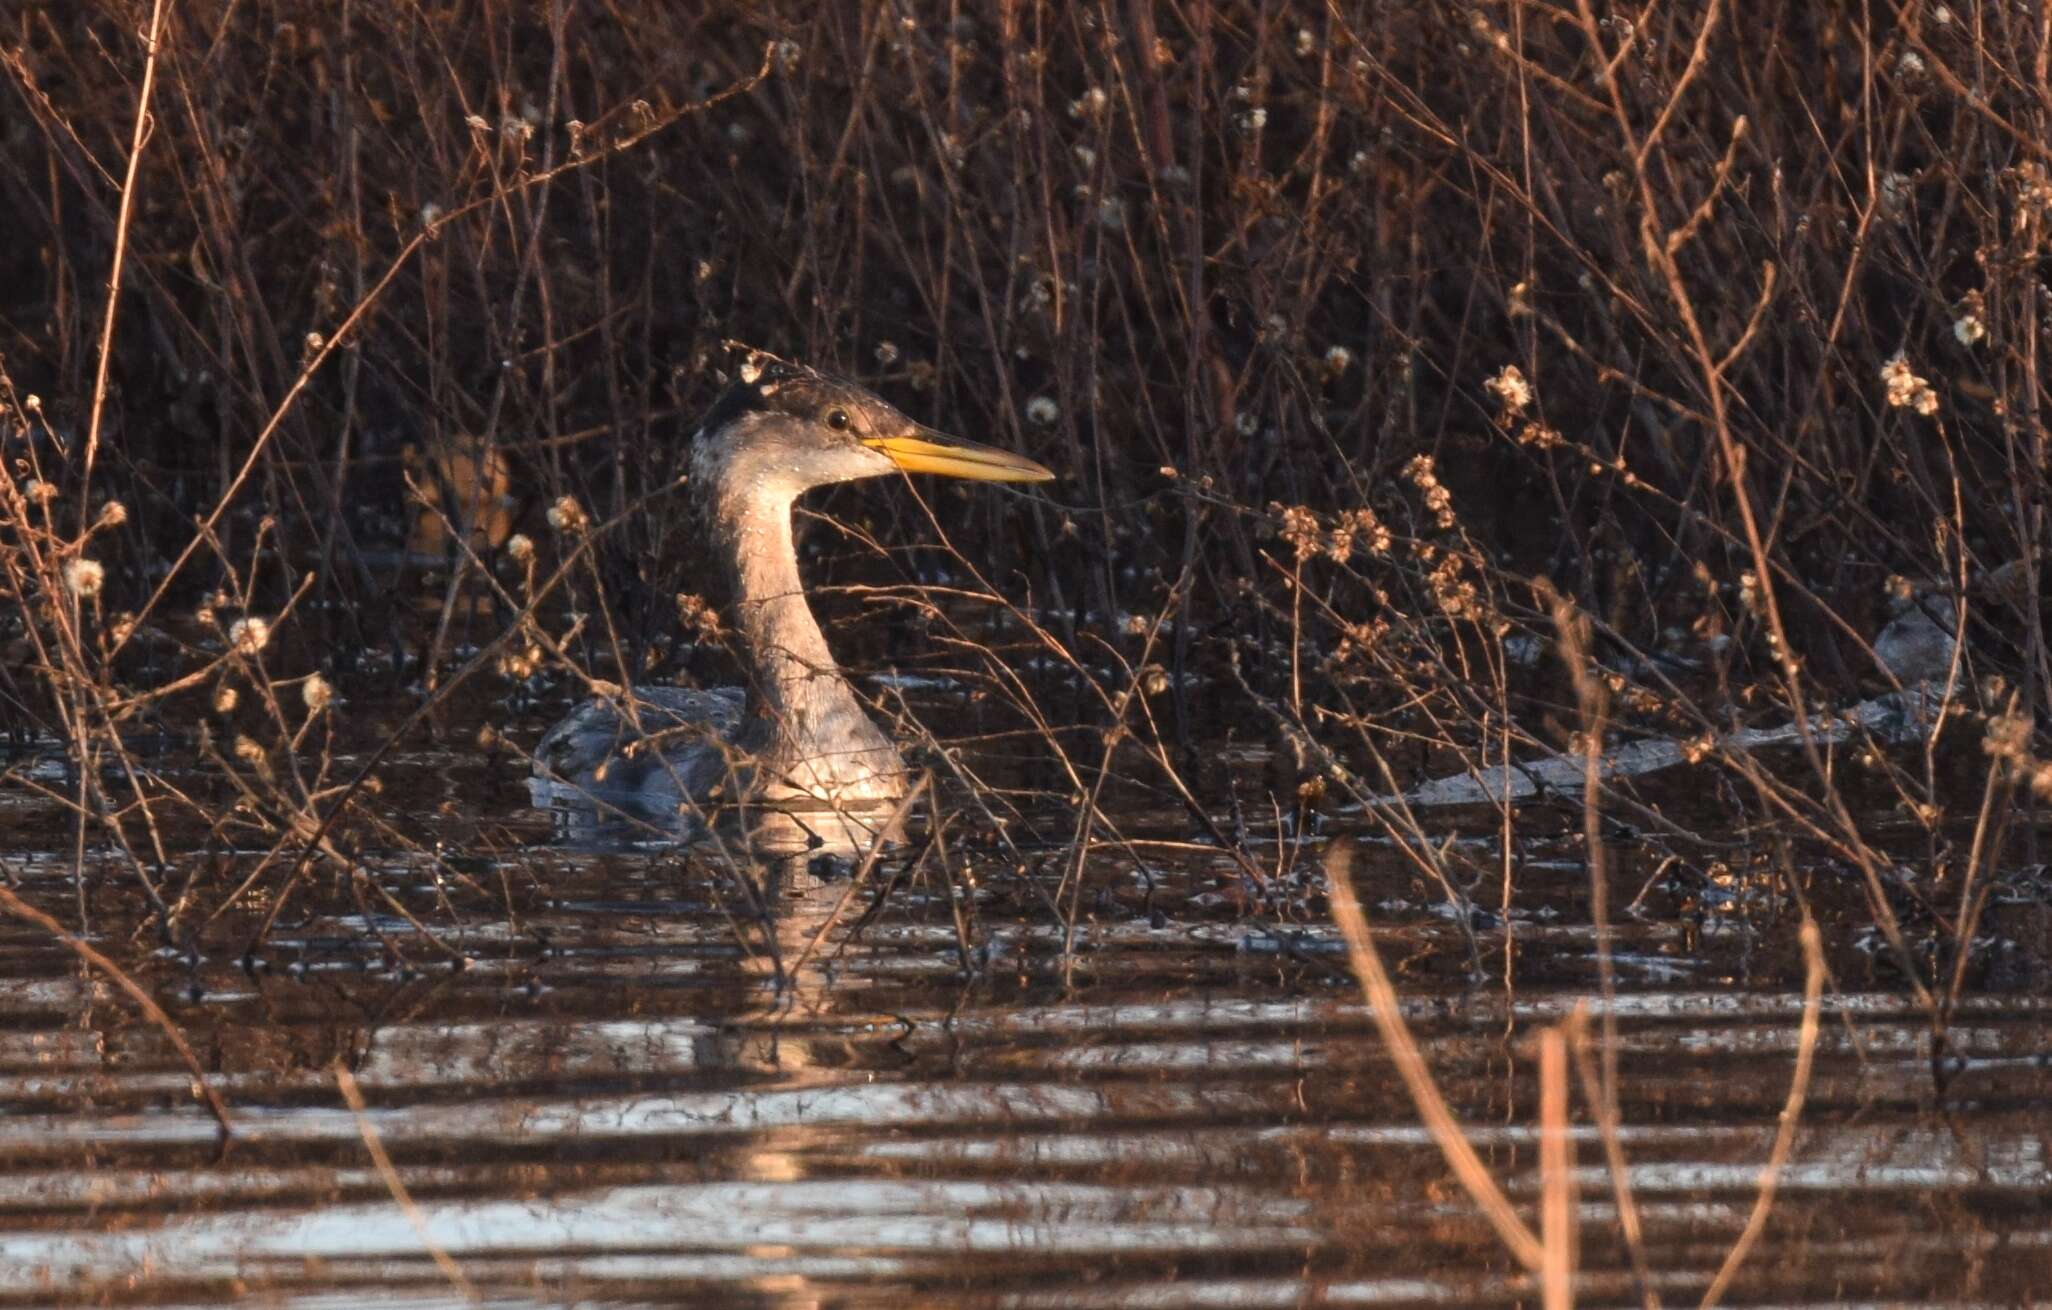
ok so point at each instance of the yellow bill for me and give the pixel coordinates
(924, 450)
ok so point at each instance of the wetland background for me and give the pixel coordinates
(1434, 387)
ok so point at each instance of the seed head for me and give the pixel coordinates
(250, 635)
(699, 615)
(1749, 590)
(515, 667)
(2041, 782)
(1357, 528)
(2009, 738)
(520, 548)
(1438, 499)
(84, 576)
(1455, 594)
(1510, 389)
(316, 691)
(1968, 327)
(1906, 389)
(567, 516)
(1043, 411)
(1299, 528)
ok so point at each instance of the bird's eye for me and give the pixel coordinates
(837, 419)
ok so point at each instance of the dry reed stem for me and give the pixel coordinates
(21, 909)
(1446, 1131)
(1556, 1173)
(1975, 885)
(1593, 705)
(346, 1083)
(1619, 1168)
(135, 148)
(1734, 454)
(1791, 1112)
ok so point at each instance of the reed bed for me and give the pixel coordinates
(1435, 389)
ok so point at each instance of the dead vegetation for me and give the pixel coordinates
(1436, 389)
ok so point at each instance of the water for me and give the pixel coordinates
(609, 1078)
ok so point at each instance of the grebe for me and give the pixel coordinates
(797, 732)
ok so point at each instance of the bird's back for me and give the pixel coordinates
(674, 745)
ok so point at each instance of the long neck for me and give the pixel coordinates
(793, 680)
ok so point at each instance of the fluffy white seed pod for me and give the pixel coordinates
(85, 577)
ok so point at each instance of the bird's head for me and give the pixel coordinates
(784, 426)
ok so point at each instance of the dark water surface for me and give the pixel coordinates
(628, 1094)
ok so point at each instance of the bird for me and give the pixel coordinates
(797, 733)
